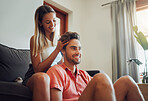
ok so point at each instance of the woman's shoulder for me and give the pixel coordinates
(32, 37)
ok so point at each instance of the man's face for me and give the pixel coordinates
(72, 54)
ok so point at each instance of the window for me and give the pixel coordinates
(141, 5)
(62, 19)
(142, 23)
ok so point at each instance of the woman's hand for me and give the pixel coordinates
(61, 44)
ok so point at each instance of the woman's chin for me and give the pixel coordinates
(51, 31)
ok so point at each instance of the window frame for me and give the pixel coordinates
(141, 5)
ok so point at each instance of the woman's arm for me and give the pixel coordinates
(40, 66)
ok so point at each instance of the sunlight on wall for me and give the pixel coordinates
(142, 21)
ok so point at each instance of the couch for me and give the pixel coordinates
(14, 63)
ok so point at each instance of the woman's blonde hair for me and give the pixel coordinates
(40, 40)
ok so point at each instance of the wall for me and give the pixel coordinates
(93, 23)
(86, 17)
(17, 22)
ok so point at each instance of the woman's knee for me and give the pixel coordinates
(38, 78)
(41, 78)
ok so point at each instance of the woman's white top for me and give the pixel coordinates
(47, 51)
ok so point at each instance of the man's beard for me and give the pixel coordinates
(75, 62)
(72, 60)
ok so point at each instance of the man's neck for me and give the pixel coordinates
(72, 67)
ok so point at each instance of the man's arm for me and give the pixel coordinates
(55, 94)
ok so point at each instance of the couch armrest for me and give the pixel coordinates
(12, 91)
(92, 72)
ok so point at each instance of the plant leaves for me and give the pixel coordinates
(135, 28)
(140, 38)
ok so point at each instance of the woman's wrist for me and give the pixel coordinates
(57, 49)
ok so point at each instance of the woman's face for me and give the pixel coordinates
(49, 22)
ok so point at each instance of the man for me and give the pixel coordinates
(68, 83)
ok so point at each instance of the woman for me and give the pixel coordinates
(44, 53)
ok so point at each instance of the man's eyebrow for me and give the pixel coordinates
(72, 46)
(75, 46)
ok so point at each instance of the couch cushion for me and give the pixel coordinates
(13, 63)
(12, 91)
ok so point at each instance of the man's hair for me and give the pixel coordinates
(67, 36)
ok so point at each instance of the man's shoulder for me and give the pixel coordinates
(84, 73)
(56, 71)
(57, 65)
(56, 68)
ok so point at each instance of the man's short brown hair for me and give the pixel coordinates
(67, 36)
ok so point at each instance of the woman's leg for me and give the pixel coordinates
(100, 88)
(126, 87)
(39, 84)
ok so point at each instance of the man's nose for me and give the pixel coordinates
(78, 51)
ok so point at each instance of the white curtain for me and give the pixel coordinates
(123, 20)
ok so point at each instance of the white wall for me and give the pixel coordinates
(17, 22)
(87, 17)
(93, 23)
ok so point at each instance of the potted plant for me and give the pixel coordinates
(144, 43)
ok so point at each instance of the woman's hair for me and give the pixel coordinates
(67, 36)
(40, 40)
